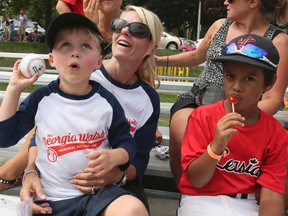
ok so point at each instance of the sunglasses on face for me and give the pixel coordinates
(230, 1)
(249, 50)
(136, 29)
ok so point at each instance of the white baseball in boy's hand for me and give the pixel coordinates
(31, 64)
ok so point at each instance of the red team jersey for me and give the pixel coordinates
(256, 156)
(75, 6)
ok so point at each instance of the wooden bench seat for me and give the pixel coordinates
(156, 167)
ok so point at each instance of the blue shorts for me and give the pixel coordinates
(87, 205)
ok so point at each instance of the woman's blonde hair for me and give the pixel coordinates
(275, 11)
(146, 71)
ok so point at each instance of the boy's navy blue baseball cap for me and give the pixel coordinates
(67, 19)
(251, 49)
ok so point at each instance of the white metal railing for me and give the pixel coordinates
(19, 55)
(168, 87)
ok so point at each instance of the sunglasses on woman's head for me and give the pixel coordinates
(136, 29)
(249, 50)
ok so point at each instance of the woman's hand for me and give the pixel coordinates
(86, 180)
(158, 138)
(101, 170)
(90, 9)
(32, 187)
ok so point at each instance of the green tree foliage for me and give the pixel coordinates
(175, 14)
(212, 10)
(180, 14)
(41, 11)
(3, 6)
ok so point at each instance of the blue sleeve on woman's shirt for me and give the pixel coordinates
(145, 136)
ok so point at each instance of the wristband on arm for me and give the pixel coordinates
(213, 155)
(26, 172)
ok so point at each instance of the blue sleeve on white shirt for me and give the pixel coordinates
(145, 136)
(16, 127)
(119, 133)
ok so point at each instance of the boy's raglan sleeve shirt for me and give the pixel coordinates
(7, 132)
(16, 127)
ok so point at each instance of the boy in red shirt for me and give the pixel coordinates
(227, 157)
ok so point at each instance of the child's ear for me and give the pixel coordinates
(51, 60)
(270, 86)
(99, 62)
(254, 3)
